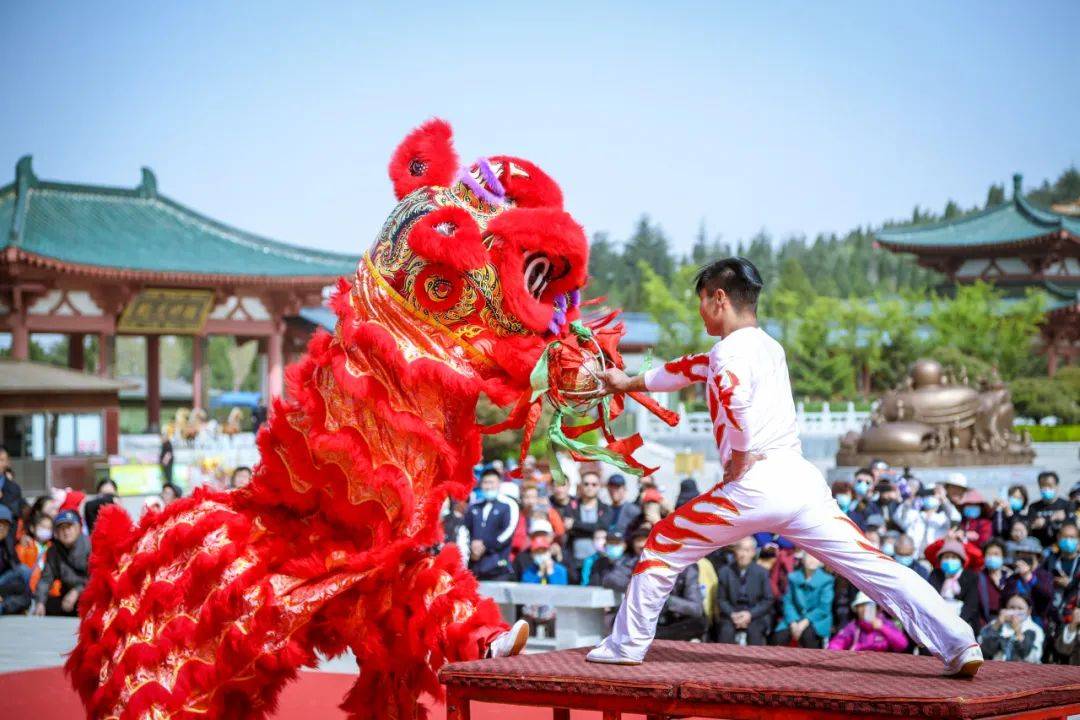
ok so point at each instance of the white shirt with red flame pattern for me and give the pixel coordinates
(747, 388)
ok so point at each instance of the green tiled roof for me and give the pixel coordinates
(138, 229)
(1011, 222)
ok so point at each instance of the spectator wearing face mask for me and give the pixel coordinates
(1013, 635)
(957, 585)
(532, 508)
(600, 539)
(601, 563)
(1032, 580)
(1064, 565)
(1049, 512)
(14, 576)
(993, 580)
(806, 619)
(976, 517)
(1068, 634)
(905, 555)
(863, 506)
(844, 494)
(928, 517)
(67, 560)
(490, 522)
(869, 631)
(1010, 510)
(542, 569)
(623, 512)
(32, 545)
(588, 516)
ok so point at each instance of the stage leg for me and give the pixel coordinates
(457, 706)
(612, 715)
(560, 713)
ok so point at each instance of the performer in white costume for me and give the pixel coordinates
(767, 485)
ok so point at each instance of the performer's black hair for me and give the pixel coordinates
(736, 276)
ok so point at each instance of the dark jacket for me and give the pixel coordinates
(68, 565)
(92, 508)
(749, 591)
(12, 497)
(9, 560)
(582, 530)
(685, 600)
(969, 595)
(1047, 534)
(496, 532)
(622, 516)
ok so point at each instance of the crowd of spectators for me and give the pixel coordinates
(1008, 566)
(45, 542)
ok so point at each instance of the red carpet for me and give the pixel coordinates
(46, 695)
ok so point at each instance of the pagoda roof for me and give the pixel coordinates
(1011, 224)
(110, 230)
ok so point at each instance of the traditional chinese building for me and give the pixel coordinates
(1014, 246)
(90, 260)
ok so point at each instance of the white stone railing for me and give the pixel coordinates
(826, 421)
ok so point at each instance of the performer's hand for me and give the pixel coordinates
(615, 380)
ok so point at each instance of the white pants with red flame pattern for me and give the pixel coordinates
(783, 494)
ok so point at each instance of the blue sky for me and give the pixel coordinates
(795, 117)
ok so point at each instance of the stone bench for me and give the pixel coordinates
(579, 610)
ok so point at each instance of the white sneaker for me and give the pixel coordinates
(604, 654)
(966, 664)
(511, 642)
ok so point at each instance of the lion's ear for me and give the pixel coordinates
(424, 158)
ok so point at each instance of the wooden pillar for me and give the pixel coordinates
(275, 370)
(1051, 360)
(200, 375)
(76, 351)
(112, 431)
(105, 347)
(560, 713)
(20, 335)
(153, 383)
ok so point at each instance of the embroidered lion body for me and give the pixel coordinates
(206, 609)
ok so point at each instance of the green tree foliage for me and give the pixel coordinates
(995, 196)
(979, 322)
(820, 369)
(681, 331)
(1040, 397)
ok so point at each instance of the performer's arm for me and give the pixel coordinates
(670, 376)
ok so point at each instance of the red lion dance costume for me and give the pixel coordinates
(206, 609)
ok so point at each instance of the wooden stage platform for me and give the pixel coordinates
(727, 681)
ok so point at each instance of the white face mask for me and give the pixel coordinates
(541, 558)
(43, 534)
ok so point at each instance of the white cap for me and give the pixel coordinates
(861, 598)
(540, 525)
(956, 478)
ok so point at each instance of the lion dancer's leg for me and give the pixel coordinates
(429, 614)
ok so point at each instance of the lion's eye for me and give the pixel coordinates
(537, 274)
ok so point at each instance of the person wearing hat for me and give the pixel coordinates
(14, 576)
(1013, 635)
(957, 585)
(869, 631)
(956, 484)
(976, 513)
(1031, 579)
(1049, 512)
(533, 508)
(66, 560)
(623, 512)
(542, 569)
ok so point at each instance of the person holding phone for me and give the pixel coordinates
(1013, 635)
(869, 631)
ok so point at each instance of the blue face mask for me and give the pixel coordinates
(616, 551)
(862, 487)
(1017, 504)
(1048, 494)
(951, 566)
(906, 560)
(994, 562)
(888, 548)
(931, 503)
(1067, 545)
(972, 511)
(489, 494)
(844, 501)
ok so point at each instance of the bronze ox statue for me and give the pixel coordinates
(933, 421)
